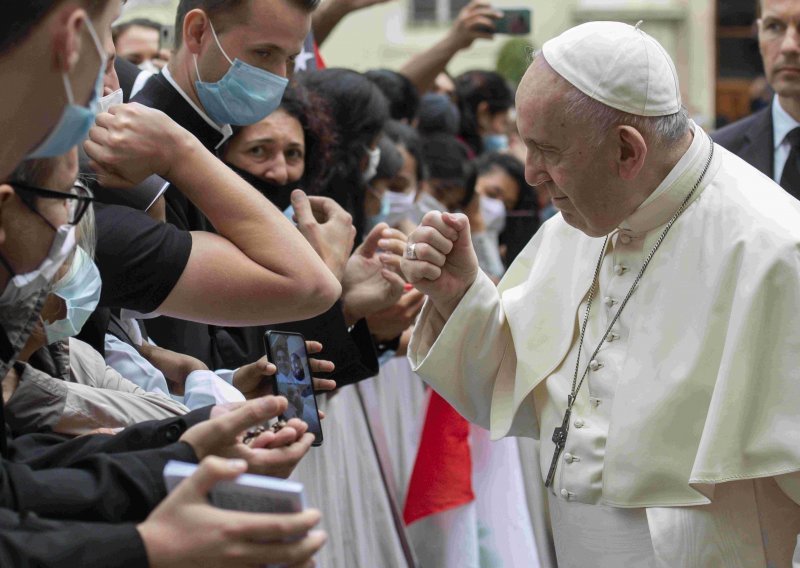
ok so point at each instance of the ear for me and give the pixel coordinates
(68, 36)
(632, 152)
(195, 25)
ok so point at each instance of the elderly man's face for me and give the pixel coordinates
(779, 42)
(578, 176)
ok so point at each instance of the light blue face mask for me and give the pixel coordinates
(495, 143)
(75, 120)
(243, 96)
(380, 217)
(80, 288)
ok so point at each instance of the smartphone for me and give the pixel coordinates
(515, 21)
(287, 351)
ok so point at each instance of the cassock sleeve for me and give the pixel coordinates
(27, 541)
(465, 356)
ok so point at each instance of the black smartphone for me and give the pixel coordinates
(515, 21)
(287, 351)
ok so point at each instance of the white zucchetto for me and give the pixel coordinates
(618, 65)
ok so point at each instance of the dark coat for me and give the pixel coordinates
(751, 139)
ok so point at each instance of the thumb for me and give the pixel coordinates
(302, 208)
(212, 470)
(370, 244)
(460, 223)
(250, 414)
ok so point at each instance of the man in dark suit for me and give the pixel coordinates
(770, 139)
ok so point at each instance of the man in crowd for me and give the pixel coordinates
(769, 140)
(637, 329)
(140, 42)
(98, 480)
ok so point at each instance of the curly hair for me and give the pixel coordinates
(311, 111)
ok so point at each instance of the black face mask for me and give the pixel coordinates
(279, 195)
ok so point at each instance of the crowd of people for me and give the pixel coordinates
(172, 194)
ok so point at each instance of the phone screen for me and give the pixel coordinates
(287, 351)
(515, 21)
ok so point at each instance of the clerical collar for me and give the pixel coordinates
(670, 193)
(782, 122)
(224, 129)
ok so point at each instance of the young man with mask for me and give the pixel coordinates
(37, 236)
(220, 46)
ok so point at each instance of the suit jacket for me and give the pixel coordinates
(751, 139)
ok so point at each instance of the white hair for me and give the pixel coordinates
(662, 131)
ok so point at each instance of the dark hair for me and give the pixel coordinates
(312, 112)
(36, 172)
(405, 136)
(437, 113)
(120, 29)
(359, 111)
(222, 11)
(522, 222)
(399, 91)
(473, 88)
(447, 161)
(18, 19)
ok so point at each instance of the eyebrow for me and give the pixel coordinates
(274, 47)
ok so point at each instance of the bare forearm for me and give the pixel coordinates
(326, 18)
(423, 68)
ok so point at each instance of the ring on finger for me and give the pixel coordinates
(411, 251)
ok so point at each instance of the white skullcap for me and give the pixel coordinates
(618, 65)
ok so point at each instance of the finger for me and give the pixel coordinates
(105, 119)
(370, 244)
(394, 234)
(321, 366)
(394, 280)
(250, 414)
(313, 347)
(212, 470)
(426, 252)
(325, 208)
(271, 440)
(324, 385)
(391, 261)
(321, 415)
(420, 270)
(291, 553)
(395, 246)
(412, 297)
(245, 526)
(302, 208)
(433, 237)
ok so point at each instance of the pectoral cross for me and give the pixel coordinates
(560, 440)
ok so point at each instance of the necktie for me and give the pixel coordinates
(790, 179)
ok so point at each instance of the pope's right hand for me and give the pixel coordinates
(445, 265)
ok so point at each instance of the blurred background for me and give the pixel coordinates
(713, 42)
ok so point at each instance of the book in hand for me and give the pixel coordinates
(248, 492)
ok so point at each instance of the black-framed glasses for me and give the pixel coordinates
(79, 199)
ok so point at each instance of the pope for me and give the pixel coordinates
(647, 335)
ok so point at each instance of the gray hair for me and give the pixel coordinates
(86, 233)
(662, 131)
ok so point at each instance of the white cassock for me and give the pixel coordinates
(684, 441)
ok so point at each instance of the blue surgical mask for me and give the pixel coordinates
(495, 143)
(80, 288)
(75, 121)
(243, 96)
(382, 215)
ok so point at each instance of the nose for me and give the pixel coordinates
(535, 170)
(276, 171)
(791, 41)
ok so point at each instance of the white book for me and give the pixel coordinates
(248, 492)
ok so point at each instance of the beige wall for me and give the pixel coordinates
(381, 37)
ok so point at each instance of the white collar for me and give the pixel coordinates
(224, 129)
(782, 122)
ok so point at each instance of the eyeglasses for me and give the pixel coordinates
(79, 199)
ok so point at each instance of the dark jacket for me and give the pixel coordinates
(751, 139)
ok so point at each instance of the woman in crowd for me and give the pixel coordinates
(485, 101)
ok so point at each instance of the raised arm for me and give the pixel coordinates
(258, 269)
(475, 20)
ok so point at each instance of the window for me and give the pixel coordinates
(436, 11)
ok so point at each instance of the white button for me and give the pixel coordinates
(620, 269)
(578, 423)
(594, 364)
(565, 493)
(612, 337)
(624, 239)
(568, 458)
(609, 301)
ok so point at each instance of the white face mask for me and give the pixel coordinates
(400, 204)
(110, 100)
(150, 67)
(494, 214)
(22, 286)
(372, 167)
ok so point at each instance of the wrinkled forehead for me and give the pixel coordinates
(540, 101)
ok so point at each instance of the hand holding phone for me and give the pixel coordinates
(515, 21)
